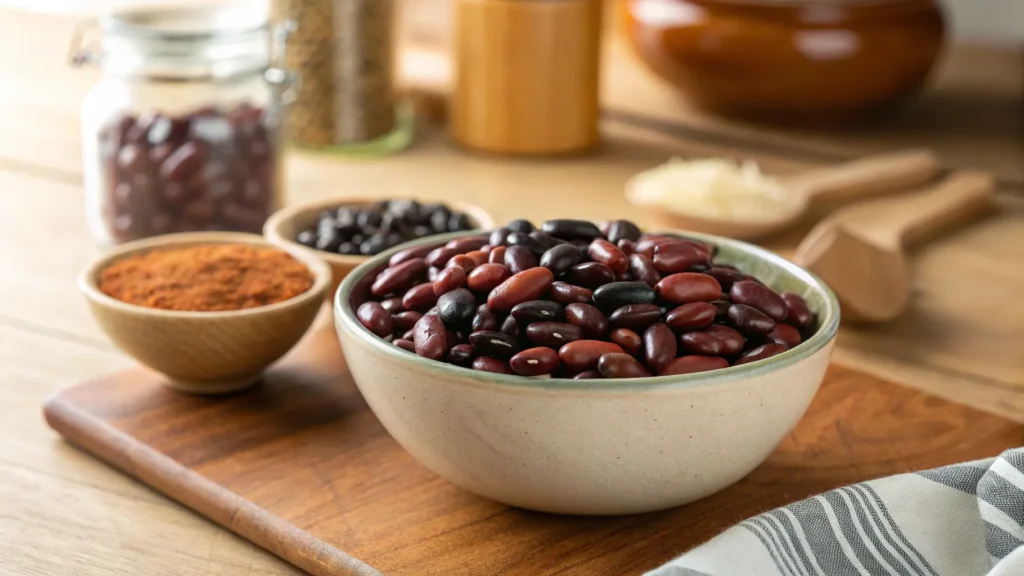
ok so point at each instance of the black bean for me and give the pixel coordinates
(537, 311)
(490, 343)
(568, 229)
(618, 294)
(456, 307)
(521, 226)
(559, 259)
(499, 236)
(622, 230)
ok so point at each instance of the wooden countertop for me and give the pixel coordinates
(61, 512)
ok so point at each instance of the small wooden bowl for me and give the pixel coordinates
(204, 352)
(284, 226)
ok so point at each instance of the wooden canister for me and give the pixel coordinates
(526, 75)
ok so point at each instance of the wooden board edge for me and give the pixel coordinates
(192, 490)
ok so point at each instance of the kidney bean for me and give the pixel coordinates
(622, 230)
(715, 340)
(433, 273)
(510, 326)
(535, 246)
(584, 354)
(405, 320)
(535, 361)
(420, 298)
(565, 293)
(490, 343)
(462, 261)
(761, 297)
(629, 340)
(591, 275)
(375, 318)
(691, 316)
(484, 319)
(685, 287)
(760, 353)
(608, 254)
(409, 334)
(799, 314)
(750, 320)
(496, 255)
(537, 311)
(614, 365)
(694, 363)
(627, 246)
(588, 318)
(449, 279)
(456, 307)
(722, 309)
(477, 256)
(553, 334)
(452, 338)
(438, 257)
(726, 276)
(430, 337)
(588, 375)
(635, 316)
(498, 236)
(519, 259)
(488, 364)
(643, 270)
(398, 277)
(559, 259)
(648, 242)
(393, 305)
(785, 334)
(406, 345)
(618, 294)
(485, 250)
(409, 254)
(463, 245)
(660, 347)
(524, 286)
(569, 229)
(487, 277)
(678, 257)
(462, 355)
(544, 240)
(521, 226)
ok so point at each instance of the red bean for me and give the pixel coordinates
(715, 340)
(486, 277)
(614, 365)
(477, 256)
(584, 354)
(449, 279)
(691, 364)
(420, 298)
(433, 273)
(588, 375)
(799, 314)
(761, 297)
(760, 353)
(643, 270)
(785, 334)
(535, 361)
(438, 257)
(659, 347)
(405, 320)
(591, 275)
(490, 343)
(409, 334)
(687, 287)
(463, 245)
(462, 355)
(691, 316)
(488, 364)
(453, 338)
(635, 316)
(399, 277)
(678, 257)
(726, 276)
(430, 337)
(406, 345)
(393, 305)
(375, 318)
(537, 311)
(565, 293)
(519, 259)
(486, 249)
(484, 319)
(553, 334)
(608, 254)
(588, 318)
(462, 261)
(627, 246)
(629, 340)
(559, 259)
(496, 255)
(527, 285)
(750, 320)
(409, 254)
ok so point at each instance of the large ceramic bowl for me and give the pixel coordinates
(591, 446)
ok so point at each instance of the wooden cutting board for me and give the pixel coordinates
(300, 466)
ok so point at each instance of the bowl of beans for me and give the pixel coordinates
(346, 232)
(584, 369)
(209, 310)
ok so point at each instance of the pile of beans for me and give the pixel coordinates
(382, 225)
(572, 300)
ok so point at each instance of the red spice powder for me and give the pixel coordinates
(206, 278)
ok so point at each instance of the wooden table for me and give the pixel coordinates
(61, 512)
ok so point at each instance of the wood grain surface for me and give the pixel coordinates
(300, 466)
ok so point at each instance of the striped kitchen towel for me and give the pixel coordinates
(960, 520)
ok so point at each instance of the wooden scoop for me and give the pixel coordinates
(859, 251)
(859, 178)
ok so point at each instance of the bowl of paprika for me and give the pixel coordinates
(209, 310)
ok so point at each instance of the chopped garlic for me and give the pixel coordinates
(713, 188)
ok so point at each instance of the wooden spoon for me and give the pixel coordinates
(859, 178)
(860, 251)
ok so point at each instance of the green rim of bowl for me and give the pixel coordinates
(773, 269)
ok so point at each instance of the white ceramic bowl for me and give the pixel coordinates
(592, 446)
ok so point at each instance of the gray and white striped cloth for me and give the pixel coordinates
(960, 520)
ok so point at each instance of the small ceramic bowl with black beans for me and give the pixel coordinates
(586, 370)
(345, 232)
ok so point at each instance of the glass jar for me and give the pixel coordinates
(183, 131)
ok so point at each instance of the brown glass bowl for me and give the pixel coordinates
(789, 60)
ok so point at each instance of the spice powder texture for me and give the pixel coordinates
(206, 278)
